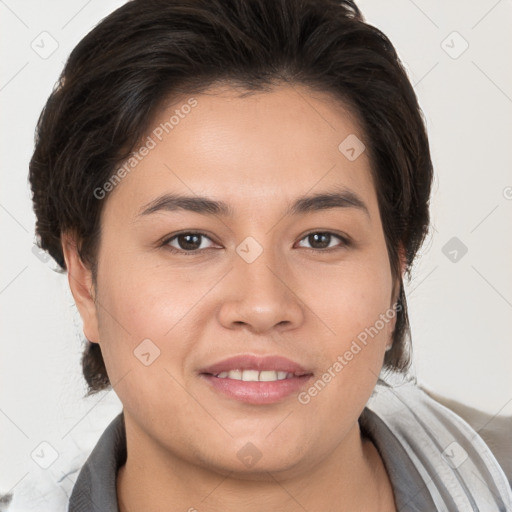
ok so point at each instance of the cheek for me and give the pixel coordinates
(147, 309)
(356, 307)
(351, 299)
(143, 299)
(141, 336)
(358, 312)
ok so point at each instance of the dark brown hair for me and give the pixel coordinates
(146, 51)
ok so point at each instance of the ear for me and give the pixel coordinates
(403, 266)
(81, 285)
(396, 287)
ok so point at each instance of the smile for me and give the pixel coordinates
(255, 375)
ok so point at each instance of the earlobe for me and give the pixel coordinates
(81, 285)
(396, 288)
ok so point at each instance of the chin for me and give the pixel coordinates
(254, 460)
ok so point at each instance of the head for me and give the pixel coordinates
(256, 105)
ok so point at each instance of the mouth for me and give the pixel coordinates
(256, 380)
(253, 375)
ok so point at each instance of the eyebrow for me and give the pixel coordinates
(343, 198)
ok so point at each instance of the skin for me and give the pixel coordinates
(257, 153)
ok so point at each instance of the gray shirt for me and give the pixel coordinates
(435, 460)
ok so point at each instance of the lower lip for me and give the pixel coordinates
(258, 393)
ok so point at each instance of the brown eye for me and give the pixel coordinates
(189, 242)
(320, 240)
(186, 242)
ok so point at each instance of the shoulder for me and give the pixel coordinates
(495, 430)
(83, 463)
(440, 449)
(46, 489)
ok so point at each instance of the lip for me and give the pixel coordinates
(251, 362)
(256, 393)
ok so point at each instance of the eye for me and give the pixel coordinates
(320, 240)
(188, 242)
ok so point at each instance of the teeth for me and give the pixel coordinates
(250, 375)
(234, 374)
(268, 376)
(255, 375)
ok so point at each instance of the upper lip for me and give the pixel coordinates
(251, 362)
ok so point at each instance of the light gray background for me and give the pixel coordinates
(461, 311)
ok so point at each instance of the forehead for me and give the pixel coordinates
(249, 149)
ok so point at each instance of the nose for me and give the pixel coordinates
(261, 295)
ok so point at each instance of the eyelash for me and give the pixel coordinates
(165, 243)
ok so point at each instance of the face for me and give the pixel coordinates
(179, 291)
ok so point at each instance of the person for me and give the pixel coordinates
(237, 190)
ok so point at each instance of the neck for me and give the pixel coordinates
(351, 477)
